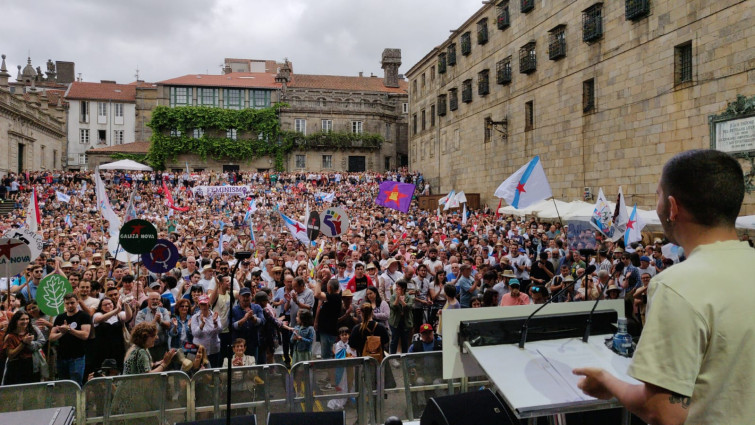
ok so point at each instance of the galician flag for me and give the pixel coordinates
(62, 197)
(634, 227)
(104, 206)
(298, 230)
(464, 215)
(526, 186)
(251, 210)
(444, 200)
(130, 208)
(620, 217)
(32, 212)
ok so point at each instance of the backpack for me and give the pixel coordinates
(373, 346)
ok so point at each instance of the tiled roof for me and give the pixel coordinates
(336, 82)
(101, 91)
(143, 84)
(234, 79)
(52, 97)
(136, 147)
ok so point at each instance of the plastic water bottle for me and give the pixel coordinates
(622, 341)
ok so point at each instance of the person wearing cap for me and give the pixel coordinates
(502, 287)
(248, 319)
(695, 361)
(424, 371)
(206, 328)
(208, 280)
(387, 280)
(467, 285)
(646, 266)
(521, 264)
(515, 297)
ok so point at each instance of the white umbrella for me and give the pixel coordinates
(125, 164)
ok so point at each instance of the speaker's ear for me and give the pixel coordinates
(307, 418)
(477, 407)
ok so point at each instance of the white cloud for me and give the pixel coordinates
(170, 38)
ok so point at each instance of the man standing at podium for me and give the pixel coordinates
(696, 356)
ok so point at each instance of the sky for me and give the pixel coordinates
(109, 39)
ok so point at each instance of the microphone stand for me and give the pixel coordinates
(588, 328)
(526, 323)
(240, 256)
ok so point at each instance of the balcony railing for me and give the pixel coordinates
(527, 6)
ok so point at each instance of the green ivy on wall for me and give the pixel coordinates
(259, 122)
(138, 157)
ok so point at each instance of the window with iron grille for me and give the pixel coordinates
(453, 99)
(527, 5)
(592, 23)
(327, 161)
(442, 63)
(502, 15)
(483, 82)
(451, 54)
(588, 95)
(466, 91)
(683, 63)
(482, 31)
(527, 58)
(441, 105)
(637, 9)
(557, 42)
(466, 43)
(301, 161)
(503, 71)
(529, 116)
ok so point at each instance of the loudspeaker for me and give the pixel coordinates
(477, 407)
(307, 418)
(237, 420)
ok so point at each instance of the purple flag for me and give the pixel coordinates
(395, 195)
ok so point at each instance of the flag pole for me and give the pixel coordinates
(558, 213)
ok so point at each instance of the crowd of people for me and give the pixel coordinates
(390, 275)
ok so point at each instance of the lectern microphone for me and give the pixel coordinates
(590, 269)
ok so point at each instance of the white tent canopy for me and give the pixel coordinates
(575, 210)
(746, 222)
(125, 165)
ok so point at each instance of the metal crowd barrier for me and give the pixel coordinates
(368, 392)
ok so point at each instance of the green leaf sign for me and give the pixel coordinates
(50, 294)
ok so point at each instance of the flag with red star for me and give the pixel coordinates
(526, 186)
(297, 229)
(634, 227)
(395, 195)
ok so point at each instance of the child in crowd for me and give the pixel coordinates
(302, 337)
(342, 350)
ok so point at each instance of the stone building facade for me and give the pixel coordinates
(32, 127)
(605, 93)
(332, 105)
(99, 115)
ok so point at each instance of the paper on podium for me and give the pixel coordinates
(539, 377)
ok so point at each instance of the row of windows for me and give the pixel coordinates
(101, 112)
(326, 126)
(232, 98)
(198, 133)
(592, 30)
(683, 73)
(301, 161)
(118, 136)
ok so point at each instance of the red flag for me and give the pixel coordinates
(169, 198)
(498, 214)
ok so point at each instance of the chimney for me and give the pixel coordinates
(361, 74)
(390, 63)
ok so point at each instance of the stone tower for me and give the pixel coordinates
(390, 63)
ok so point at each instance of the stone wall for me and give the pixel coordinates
(642, 115)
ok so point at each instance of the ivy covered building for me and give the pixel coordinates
(260, 115)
